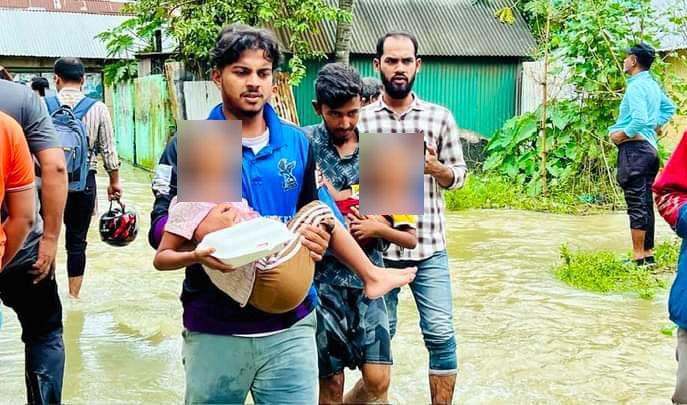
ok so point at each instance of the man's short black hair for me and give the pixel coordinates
(395, 34)
(644, 53)
(372, 87)
(70, 69)
(337, 84)
(237, 38)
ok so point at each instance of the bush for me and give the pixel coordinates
(605, 272)
(492, 191)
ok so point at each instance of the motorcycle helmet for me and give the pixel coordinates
(119, 225)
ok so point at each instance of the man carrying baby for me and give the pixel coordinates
(229, 350)
(352, 328)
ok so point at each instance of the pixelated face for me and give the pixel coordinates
(209, 166)
(391, 174)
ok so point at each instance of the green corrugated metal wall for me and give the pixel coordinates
(123, 117)
(152, 116)
(143, 120)
(481, 92)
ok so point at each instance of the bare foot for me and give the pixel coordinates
(388, 279)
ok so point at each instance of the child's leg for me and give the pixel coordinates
(315, 213)
(378, 280)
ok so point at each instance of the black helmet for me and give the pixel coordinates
(118, 226)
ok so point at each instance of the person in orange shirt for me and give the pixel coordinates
(16, 188)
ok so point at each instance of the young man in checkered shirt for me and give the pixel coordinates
(399, 110)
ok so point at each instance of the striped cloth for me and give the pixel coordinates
(313, 213)
(101, 136)
(239, 284)
(440, 129)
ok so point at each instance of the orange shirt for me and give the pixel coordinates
(16, 165)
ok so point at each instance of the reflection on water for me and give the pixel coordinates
(523, 336)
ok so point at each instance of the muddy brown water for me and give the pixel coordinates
(524, 337)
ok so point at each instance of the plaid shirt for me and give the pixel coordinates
(343, 172)
(101, 136)
(439, 128)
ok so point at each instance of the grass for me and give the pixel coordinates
(493, 192)
(606, 272)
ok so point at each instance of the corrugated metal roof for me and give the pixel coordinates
(443, 28)
(67, 6)
(51, 34)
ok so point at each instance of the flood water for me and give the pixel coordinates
(524, 337)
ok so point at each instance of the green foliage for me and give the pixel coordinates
(588, 37)
(491, 192)
(578, 159)
(605, 272)
(120, 71)
(194, 25)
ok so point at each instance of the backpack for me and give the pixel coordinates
(72, 135)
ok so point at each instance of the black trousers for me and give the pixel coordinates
(638, 166)
(77, 219)
(39, 310)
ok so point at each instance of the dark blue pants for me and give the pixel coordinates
(39, 310)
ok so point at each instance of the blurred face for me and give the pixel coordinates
(390, 175)
(341, 121)
(206, 167)
(246, 85)
(398, 66)
(209, 164)
(630, 63)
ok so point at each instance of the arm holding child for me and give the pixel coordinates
(175, 253)
(374, 226)
(178, 248)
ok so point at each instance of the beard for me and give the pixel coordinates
(235, 105)
(397, 91)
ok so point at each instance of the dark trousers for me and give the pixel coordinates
(39, 310)
(77, 219)
(638, 166)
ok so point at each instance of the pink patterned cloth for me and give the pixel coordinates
(184, 217)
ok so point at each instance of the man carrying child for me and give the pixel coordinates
(229, 350)
(352, 330)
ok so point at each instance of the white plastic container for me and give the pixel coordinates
(248, 241)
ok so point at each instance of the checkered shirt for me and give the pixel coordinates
(439, 128)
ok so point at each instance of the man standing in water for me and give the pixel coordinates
(644, 110)
(399, 110)
(230, 350)
(69, 79)
(352, 330)
(27, 284)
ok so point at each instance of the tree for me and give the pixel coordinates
(194, 24)
(344, 30)
(587, 37)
